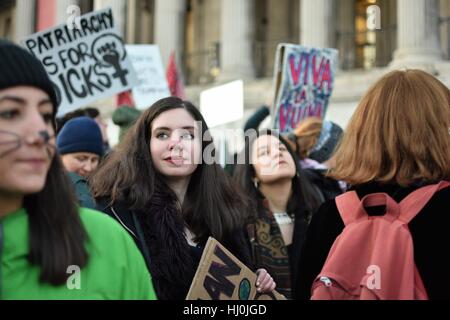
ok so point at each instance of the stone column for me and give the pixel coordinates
(346, 39)
(133, 16)
(418, 34)
(25, 20)
(169, 27)
(316, 23)
(119, 8)
(237, 38)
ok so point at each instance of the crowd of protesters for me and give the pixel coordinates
(134, 219)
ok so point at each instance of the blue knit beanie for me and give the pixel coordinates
(80, 135)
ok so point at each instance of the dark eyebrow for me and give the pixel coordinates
(22, 101)
(168, 129)
(13, 98)
(45, 101)
(161, 128)
(266, 147)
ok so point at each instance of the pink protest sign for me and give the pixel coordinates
(303, 84)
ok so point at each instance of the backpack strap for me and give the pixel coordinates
(349, 207)
(382, 199)
(416, 201)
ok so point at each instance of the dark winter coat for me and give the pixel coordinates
(326, 187)
(159, 233)
(82, 190)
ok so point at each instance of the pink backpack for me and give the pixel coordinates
(373, 257)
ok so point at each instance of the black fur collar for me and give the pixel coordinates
(172, 265)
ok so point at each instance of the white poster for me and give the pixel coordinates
(86, 62)
(147, 62)
(223, 104)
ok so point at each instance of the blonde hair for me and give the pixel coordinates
(399, 133)
(307, 133)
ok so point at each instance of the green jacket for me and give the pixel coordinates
(116, 269)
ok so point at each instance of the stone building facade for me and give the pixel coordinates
(220, 40)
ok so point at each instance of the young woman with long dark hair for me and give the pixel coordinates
(163, 185)
(283, 201)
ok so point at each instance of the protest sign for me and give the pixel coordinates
(86, 62)
(152, 79)
(303, 83)
(221, 276)
(223, 104)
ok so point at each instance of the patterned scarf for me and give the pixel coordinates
(269, 250)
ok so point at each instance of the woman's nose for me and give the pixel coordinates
(38, 131)
(88, 166)
(175, 143)
(37, 138)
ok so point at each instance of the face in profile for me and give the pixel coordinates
(82, 163)
(175, 144)
(26, 115)
(271, 160)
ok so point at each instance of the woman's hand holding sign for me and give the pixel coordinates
(264, 282)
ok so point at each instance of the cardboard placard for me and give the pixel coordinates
(221, 276)
(303, 84)
(86, 62)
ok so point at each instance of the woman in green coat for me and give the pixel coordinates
(49, 247)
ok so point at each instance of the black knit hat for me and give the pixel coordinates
(18, 67)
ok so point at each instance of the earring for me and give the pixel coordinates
(256, 183)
